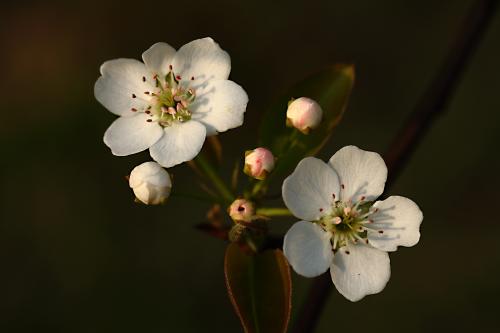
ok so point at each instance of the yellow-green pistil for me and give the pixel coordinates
(348, 222)
(170, 102)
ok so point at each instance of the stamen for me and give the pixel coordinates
(134, 96)
(333, 195)
(143, 79)
(321, 209)
(170, 67)
(336, 220)
(178, 77)
(149, 120)
(192, 78)
(342, 185)
(133, 110)
(146, 92)
(381, 231)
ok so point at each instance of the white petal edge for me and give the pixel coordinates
(202, 59)
(221, 107)
(130, 135)
(363, 173)
(121, 80)
(311, 189)
(307, 248)
(158, 58)
(181, 142)
(364, 271)
(399, 218)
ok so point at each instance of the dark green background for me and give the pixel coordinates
(77, 255)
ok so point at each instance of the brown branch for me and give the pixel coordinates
(430, 106)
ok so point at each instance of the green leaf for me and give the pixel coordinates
(259, 287)
(331, 88)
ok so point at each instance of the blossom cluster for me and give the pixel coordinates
(172, 100)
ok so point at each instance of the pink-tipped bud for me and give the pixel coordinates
(304, 114)
(242, 210)
(258, 163)
(151, 183)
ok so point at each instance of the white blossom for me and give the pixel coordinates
(171, 102)
(344, 229)
(151, 183)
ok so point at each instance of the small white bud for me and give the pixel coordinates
(258, 163)
(151, 183)
(304, 114)
(242, 210)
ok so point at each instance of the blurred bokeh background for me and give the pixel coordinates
(76, 253)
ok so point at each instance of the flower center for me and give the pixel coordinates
(171, 100)
(348, 222)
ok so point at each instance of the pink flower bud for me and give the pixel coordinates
(242, 210)
(151, 183)
(258, 163)
(304, 114)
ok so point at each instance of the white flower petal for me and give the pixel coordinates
(363, 173)
(121, 80)
(221, 107)
(180, 143)
(399, 219)
(158, 58)
(364, 271)
(130, 135)
(310, 190)
(307, 248)
(202, 59)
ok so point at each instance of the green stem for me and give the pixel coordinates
(204, 198)
(274, 211)
(210, 172)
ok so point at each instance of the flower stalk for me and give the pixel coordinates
(273, 211)
(214, 177)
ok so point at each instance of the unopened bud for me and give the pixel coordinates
(242, 210)
(151, 183)
(304, 114)
(258, 163)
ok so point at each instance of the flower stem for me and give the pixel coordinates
(211, 174)
(273, 211)
(204, 198)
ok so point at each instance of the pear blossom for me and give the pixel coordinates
(258, 163)
(151, 183)
(242, 210)
(304, 114)
(343, 228)
(170, 102)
